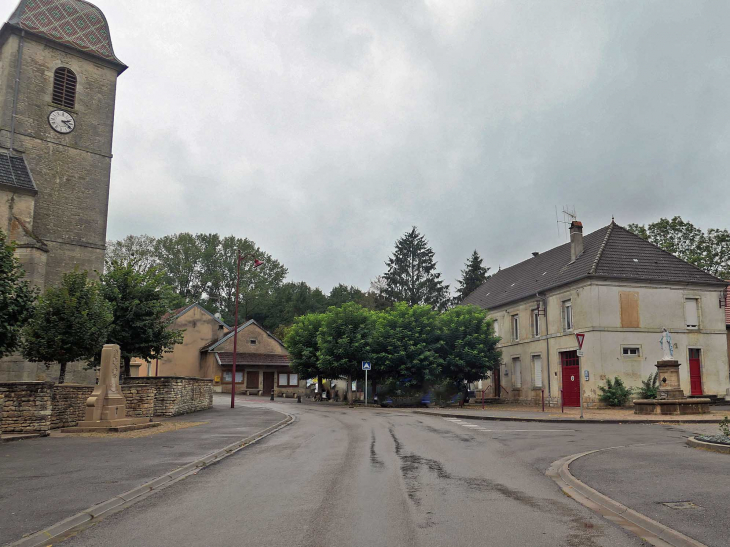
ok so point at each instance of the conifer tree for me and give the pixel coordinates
(412, 275)
(472, 277)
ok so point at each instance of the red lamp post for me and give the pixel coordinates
(256, 264)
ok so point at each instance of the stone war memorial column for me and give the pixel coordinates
(106, 409)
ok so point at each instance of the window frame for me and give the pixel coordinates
(697, 302)
(535, 322)
(227, 376)
(533, 358)
(65, 87)
(516, 360)
(626, 347)
(567, 313)
(515, 319)
(253, 342)
(288, 379)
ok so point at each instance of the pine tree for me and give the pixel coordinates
(472, 277)
(412, 275)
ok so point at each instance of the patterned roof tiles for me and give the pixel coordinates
(75, 23)
(611, 252)
(14, 172)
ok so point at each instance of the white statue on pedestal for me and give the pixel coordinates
(669, 350)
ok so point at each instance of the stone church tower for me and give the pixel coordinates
(58, 76)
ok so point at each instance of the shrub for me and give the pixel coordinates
(725, 427)
(649, 387)
(615, 393)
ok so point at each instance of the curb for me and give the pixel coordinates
(711, 447)
(559, 420)
(17, 437)
(647, 529)
(122, 501)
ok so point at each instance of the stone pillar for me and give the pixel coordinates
(107, 401)
(669, 386)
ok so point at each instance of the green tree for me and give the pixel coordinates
(302, 344)
(16, 298)
(709, 251)
(412, 275)
(139, 303)
(136, 251)
(344, 342)
(288, 302)
(70, 323)
(179, 258)
(468, 345)
(473, 276)
(341, 294)
(405, 347)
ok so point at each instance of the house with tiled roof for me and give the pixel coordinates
(620, 291)
(262, 363)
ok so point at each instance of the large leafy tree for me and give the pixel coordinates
(71, 323)
(468, 345)
(16, 298)
(288, 302)
(341, 294)
(344, 342)
(179, 257)
(136, 251)
(302, 343)
(473, 276)
(405, 347)
(709, 251)
(139, 303)
(412, 275)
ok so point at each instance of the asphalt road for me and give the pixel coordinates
(374, 478)
(43, 481)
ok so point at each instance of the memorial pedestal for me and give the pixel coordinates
(670, 397)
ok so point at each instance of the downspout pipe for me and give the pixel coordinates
(18, 65)
(547, 343)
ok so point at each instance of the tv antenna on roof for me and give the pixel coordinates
(569, 215)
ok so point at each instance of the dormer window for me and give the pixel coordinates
(64, 88)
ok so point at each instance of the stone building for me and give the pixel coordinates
(620, 291)
(58, 77)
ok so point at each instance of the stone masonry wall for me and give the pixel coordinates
(26, 407)
(175, 395)
(69, 404)
(140, 400)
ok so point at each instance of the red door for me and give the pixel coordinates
(695, 372)
(571, 378)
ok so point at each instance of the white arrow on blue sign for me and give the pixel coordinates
(366, 365)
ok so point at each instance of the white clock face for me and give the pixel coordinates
(61, 121)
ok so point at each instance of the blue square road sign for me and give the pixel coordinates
(366, 365)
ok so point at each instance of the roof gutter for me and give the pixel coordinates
(547, 341)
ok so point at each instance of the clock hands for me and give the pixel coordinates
(67, 122)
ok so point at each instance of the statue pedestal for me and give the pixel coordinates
(670, 397)
(106, 409)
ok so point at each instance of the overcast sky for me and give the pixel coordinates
(323, 130)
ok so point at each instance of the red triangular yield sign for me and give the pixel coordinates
(580, 337)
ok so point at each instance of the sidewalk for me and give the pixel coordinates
(645, 478)
(48, 479)
(603, 415)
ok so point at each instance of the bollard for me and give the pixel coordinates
(543, 400)
(299, 398)
(272, 394)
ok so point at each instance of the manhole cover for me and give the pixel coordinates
(681, 505)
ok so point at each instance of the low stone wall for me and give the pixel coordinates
(140, 400)
(26, 407)
(69, 404)
(176, 395)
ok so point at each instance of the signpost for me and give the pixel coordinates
(366, 366)
(580, 337)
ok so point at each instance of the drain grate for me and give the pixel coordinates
(680, 504)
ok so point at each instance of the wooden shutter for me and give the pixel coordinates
(537, 365)
(629, 303)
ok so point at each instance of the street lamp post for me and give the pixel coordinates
(256, 264)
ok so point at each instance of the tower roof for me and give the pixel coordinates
(74, 23)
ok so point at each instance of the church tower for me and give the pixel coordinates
(58, 76)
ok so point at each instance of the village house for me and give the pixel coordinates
(620, 291)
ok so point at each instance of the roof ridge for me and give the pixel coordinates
(599, 254)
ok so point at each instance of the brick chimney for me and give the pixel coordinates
(576, 240)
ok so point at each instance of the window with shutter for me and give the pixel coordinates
(64, 88)
(537, 368)
(516, 372)
(629, 307)
(691, 313)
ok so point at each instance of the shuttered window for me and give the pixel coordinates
(537, 368)
(64, 88)
(629, 304)
(691, 313)
(517, 372)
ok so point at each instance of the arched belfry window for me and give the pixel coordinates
(64, 87)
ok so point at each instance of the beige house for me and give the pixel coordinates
(262, 363)
(620, 291)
